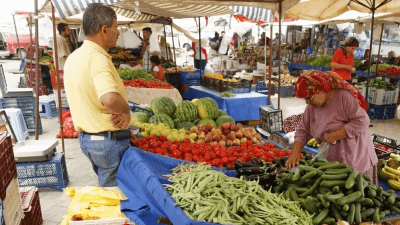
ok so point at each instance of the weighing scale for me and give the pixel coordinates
(35, 150)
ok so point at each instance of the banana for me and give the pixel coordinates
(390, 175)
(391, 170)
(394, 184)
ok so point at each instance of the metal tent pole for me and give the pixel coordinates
(16, 33)
(370, 47)
(270, 66)
(173, 45)
(37, 116)
(58, 76)
(379, 51)
(265, 53)
(279, 55)
(199, 45)
(166, 47)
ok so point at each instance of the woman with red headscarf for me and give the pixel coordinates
(343, 59)
(335, 114)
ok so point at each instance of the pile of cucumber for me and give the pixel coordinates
(332, 192)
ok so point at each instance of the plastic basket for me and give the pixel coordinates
(33, 213)
(271, 119)
(30, 123)
(384, 146)
(52, 173)
(7, 164)
(286, 91)
(236, 87)
(53, 77)
(135, 108)
(381, 111)
(26, 104)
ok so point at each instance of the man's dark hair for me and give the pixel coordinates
(155, 59)
(61, 27)
(97, 15)
(147, 29)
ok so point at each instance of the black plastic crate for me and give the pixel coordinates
(135, 108)
(271, 119)
(236, 87)
(384, 146)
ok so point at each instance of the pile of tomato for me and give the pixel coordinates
(215, 155)
(68, 126)
(391, 70)
(147, 84)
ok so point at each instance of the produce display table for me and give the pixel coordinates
(140, 178)
(144, 95)
(314, 151)
(386, 187)
(300, 66)
(241, 107)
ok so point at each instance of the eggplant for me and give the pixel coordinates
(263, 179)
(250, 170)
(253, 177)
(247, 164)
(309, 157)
(275, 161)
(283, 160)
(238, 164)
(256, 161)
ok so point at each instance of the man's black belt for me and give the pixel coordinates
(116, 135)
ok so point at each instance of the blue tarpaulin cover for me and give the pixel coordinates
(241, 107)
(140, 178)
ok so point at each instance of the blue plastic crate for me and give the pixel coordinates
(135, 108)
(26, 104)
(52, 173)
(189, 79)
(2, 222)
(30, 123)
(286, 91)
(191, 82)
(48, 108)
(381, 112)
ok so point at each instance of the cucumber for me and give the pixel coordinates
(333, 198)
(367, 201)
(337, 171)
(359, 200)
(351, 180)
(350, 217)
(360, 184)
(301, 189)
(323, 190)
(357, 214)
(391, 199)
(368, 212)
(342, 176)
(319, 159)
(293, 195)
(387, 212)
(332, 183)
(372, 187)
(312, 189)
(371, 193)
(318, 164)
(346, 208)
(297, 175)
(333, 166)
(382, 215)
(394, 209)
(336, 189)
(321, 216)
(390, 191)
(375, 215)
(310, 169)
(367, 178)
(349, 198)
(397, 204)
(349, 192)
(306, 177)
(323, 201)
(379, 191)
(328, 220)
(386, 194)
(344, 214)
(336, 213)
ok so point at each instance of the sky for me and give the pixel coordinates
(7, 7)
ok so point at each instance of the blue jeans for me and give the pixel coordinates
(105, 156)
(199, 65)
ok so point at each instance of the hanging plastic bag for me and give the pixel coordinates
(208, 69)
(131, 40)
(323, 150)
(81, 36)
(154, 47)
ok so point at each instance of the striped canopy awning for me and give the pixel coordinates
(254, 13)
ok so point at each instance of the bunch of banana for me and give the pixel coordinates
(393, 161)
(389, 173)
(313, 143)
(394, 184)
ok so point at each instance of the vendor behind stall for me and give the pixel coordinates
(335, 114)
(343, 59)
(156, 70)
(200, 64)
(146, 52)
(166, 53)
(392, 60)
(263, 40)
(96, 95)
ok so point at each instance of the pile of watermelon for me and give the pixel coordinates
(185, 114)
(68, 126)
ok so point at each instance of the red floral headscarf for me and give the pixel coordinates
(312, 82)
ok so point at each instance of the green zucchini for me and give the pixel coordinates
(350, 217)
(351, 180)
(313, 188)
(349, 198)
(371, 193)
(337, 171)
(368, 212)
(357, 214)
(336, 189)
(379, 191)
(321, 216)
(336, 213)
(333, 166)
(323, 190)
(297, 175)
(375, 215)
(332, 183)
(319, 159)
(307, 176)
(360, 183)
(335, 197)
(391, 199)
(346, 208)
(310, 169)
(341, 176)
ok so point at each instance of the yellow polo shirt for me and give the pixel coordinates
(89, 74)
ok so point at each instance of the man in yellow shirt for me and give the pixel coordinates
(96, 95)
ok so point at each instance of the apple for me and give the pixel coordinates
(214, 143)
(220, 127)
(239, 134)
(222, 143)
(252, 131)
(188, 132)
(229, 143)
(254, 140)
(209, 126)
(226, 125)
(239, 125)
(216, 137)
(234, 128)
(223, 138)
(218, 131)
(226, 131)
(197, 132)
(213, 130)
(231, 136)
(193, 136)
(201, 141)
(258, 136)
(236, 142)
(243, 140)
(194, 129)
(209, 139)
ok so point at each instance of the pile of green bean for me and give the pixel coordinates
(211, 196)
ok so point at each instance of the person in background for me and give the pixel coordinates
(199, 64)
(392, 60)
(335, 114)
(367, 54)
(214, 40)
(343, 59)
(235, 40)
(145, 51)
(156, 70)
(165, 50)
(263, 40)
(96, 95)
(63, 43)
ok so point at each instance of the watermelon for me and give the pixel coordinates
(185, 125)
(163, 105)
(186, 111)
(164, 119)
(152, 102)
(204, 121)
(207, 108)
(195, 100)
(223, 119)
(149, 109)
(176, 122)
(140, 117)
(221, 113)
